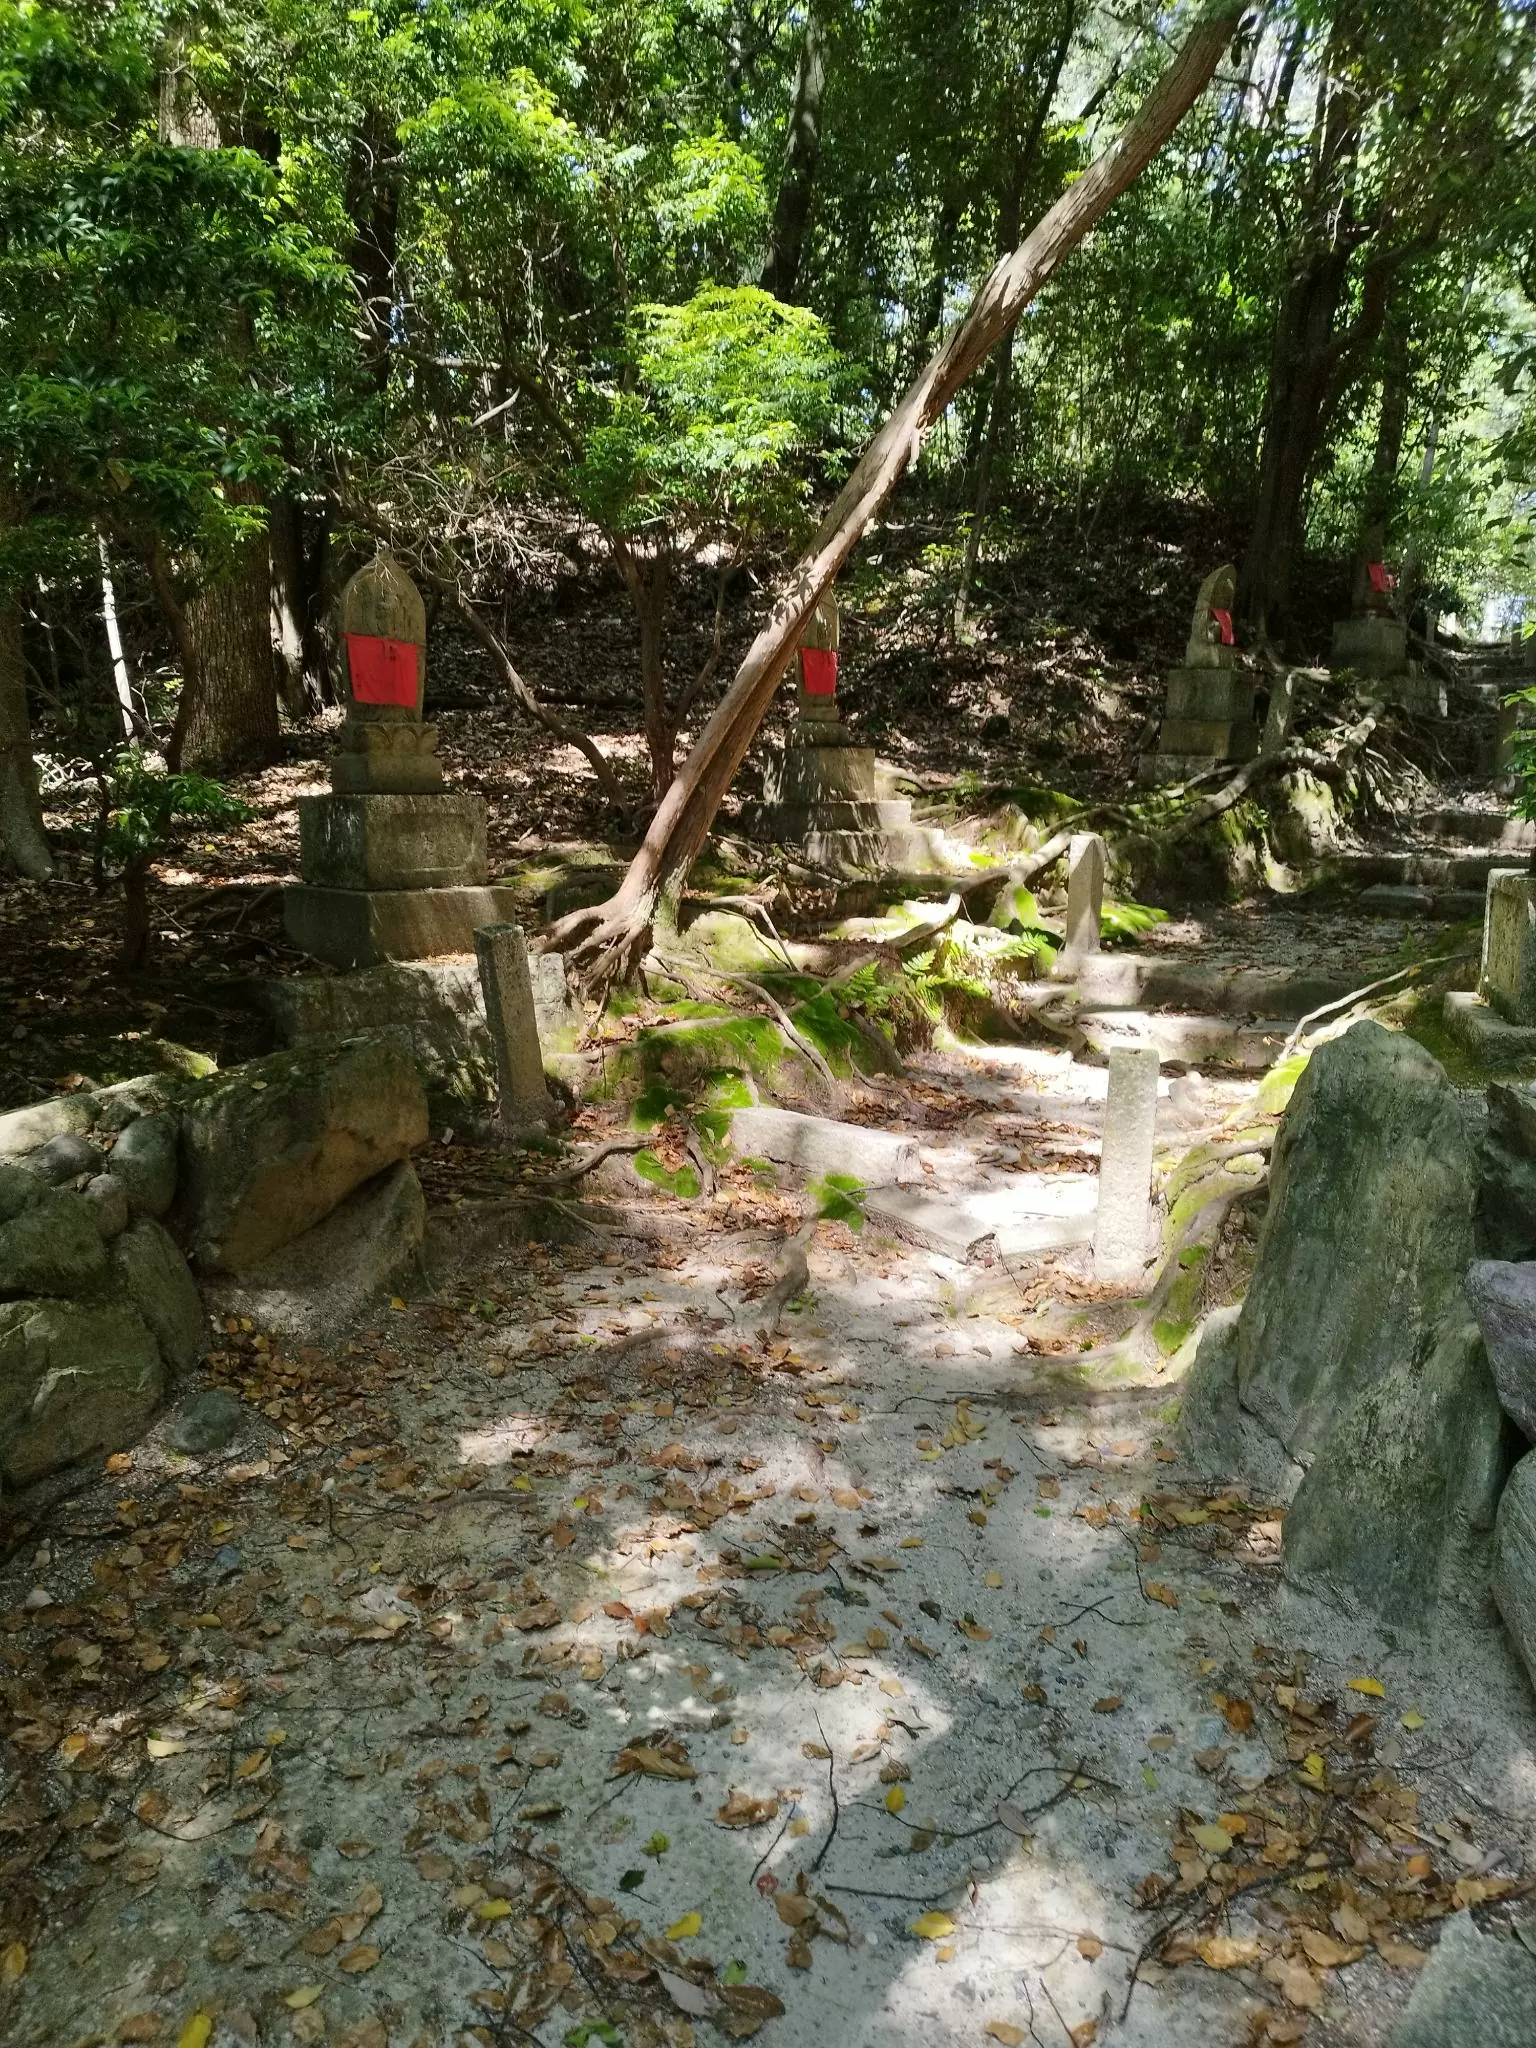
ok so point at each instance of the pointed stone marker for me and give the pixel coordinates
(507, 986)
(1087, 859)
(1120, 1230)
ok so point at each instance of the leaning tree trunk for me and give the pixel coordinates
(22, 843)
(610, 940)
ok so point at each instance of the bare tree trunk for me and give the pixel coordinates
(133, 723)
(802, 148)
(647, 582)
(231, 719)
(610, 940)
(22, 842)
(297, 603)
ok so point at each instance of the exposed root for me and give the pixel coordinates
(604, 944)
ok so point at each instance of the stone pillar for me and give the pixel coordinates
(1120, 1230)
(1507, 980)
(1087, 858)
(394, 865)
(1208, 712)
(1373, 642)
(507, 986)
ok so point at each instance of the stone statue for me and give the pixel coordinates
(1210, 632)
(383, 745)
(817, 694)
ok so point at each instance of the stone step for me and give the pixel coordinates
(1194, 1041)
(1423, 870)
(1459, 825)
(1131, 981)
(1412, 899)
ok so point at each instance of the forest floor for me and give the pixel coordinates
(559, 1658)
(559, 1652)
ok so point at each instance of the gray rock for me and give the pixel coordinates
(271, 1148)
(1503, 1298)
(206, 1422)
(1506, 1211)
(108, 1199)
(1367, 1236)
(159, 1283)
(75, 1379)
(23, 1131)
(1216, 1435)
(144, 1160)
(52, 1247)
(1396, 1512)
(18, 1190)
(1476, 1991)
(65, 1158)
(318, 1283)
(1514, 1560)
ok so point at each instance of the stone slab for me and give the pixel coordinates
(1209, 693)
(1128, 981)
(1372, 645)
(1484, 1033)
(1507, 978)
(392, 841)
(1424, 695)
(1217, 1041)
(1225, 739)
(506, 989)
(820, 1144)
(930, 1221)
(361, 927)
(1476, 1991)
(1121, 1230)
(400, 774)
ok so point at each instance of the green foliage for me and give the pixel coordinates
(1122, 923)
(730, 386)
(839, 1198)
(1522, 758)
(147, 808)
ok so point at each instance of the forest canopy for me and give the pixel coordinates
(280, 279)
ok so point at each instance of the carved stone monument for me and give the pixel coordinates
(394, 864)
(820, 790)
(1373, 642)
(1208, 716)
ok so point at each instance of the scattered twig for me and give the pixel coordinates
(1371, 988)
(832, 1789)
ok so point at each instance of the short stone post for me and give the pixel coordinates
(1125, 1164)
(507, 987)
(1087, 858)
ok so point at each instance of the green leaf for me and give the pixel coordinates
(839, 1198)
(632, 1880)
(683, 1183)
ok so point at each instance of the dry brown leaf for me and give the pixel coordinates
(651, 1762)
(1227, 1951)
(741, 1810)
(1327, 1953)
(1294, 1981)
(361, 1958)
(542, 1614)
(1006, 2032)
(1402, 1955)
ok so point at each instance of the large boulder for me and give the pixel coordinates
(75, 1378)
(318, 1283)
(1216, 1435)
(1514, 1560)
(1476, 1991)
(1396, 1511)
(1368, 1234)
(144, 1160)
(271, 1148)
(1503, 1298)
(1507, 1209)
(156, 1279)
(52, 1246)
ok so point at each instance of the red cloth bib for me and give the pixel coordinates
(818, 671)
(383, 671)
(1381, 579)
(1224, 622)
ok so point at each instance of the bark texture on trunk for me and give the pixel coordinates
(610, 940)
(298, 609)
(23, 845)
(231, 712)
(797, 180)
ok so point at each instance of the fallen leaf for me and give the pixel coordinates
(1412, 1721)
(741, 1810)
(361, 1958)
(493, 1909)
(1164, 1595)
(305, 1995)
(685, 1928)
(164, 1745)
(1402, 1955)
(1294, 1981)
(196, 2031)
(1089, 1947)
(1213, 1839)
(933, 1926)
(1084, 2034)
(694, 1999)
(1373, 1687)
(1227, 1951)
(1006, 2032)
(13, 1963)
(654, 1763)
(1112, 1705)
(895, 1799)
(1327, 1953)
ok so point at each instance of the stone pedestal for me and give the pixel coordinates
(394, 865)
(1373, 644)
(1507, 980)
(1208, 712)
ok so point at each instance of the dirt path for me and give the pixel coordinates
(563, 1662)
